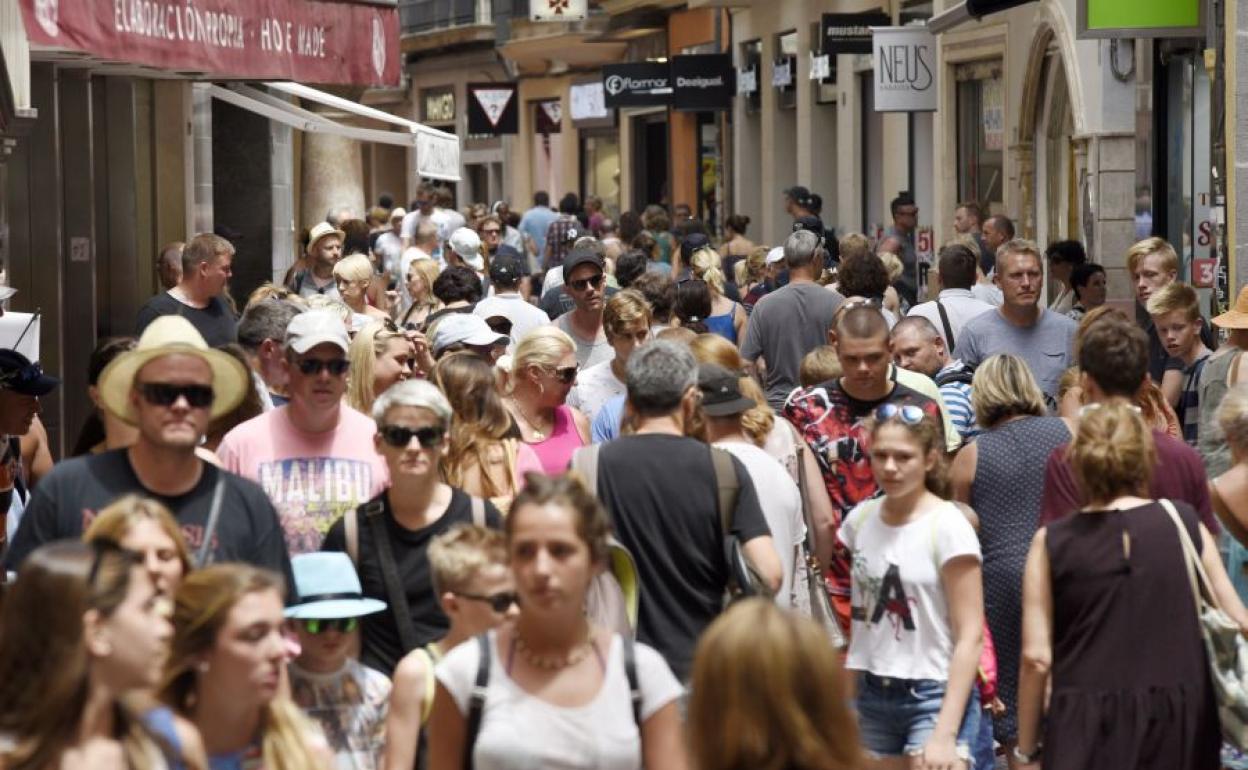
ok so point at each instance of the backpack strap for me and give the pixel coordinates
(351, 528)
(431, 682)
(1234, 375)
(585, 462)
(727, 486)
(374, 519)
(944, 321)
(476, 702)
(214, 515)
(478, 512)
(630, 670)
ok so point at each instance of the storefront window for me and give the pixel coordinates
(600, 169)
(981, 134)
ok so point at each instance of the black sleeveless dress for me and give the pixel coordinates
(1131, 686)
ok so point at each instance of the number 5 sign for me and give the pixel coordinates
(1204, 272)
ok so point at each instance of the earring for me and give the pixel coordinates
(203, 666)
(541, 389)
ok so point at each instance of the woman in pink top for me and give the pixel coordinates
(543, 373)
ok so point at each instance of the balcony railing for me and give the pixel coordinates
(420, 16)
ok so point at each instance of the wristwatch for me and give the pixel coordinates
(1028, 759)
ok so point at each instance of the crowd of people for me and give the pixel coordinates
(551, 489)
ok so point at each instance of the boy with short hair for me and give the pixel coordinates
(468, 566)
(347, 698)
(1175, 310)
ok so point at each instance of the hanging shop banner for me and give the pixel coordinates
(820, 67)
(306, 41)
(587, 103)
(747, 81)
(558, 10)
(549, 117)
(904, 61)
(641, 84)
(850, 32)
(782, 72)
(492, 109)
(1140, 18)
(702, 82)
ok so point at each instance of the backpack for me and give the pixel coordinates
(963, 375)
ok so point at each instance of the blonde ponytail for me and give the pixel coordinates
(707, 266)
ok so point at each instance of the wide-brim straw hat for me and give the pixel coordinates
(323, 230)
(1236, 317)
(165, 336)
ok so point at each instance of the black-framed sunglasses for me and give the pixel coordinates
(491, 231)
(310, 367)
(907, 413)
(167, 394)
(399, 436)
(499, 602)
(565, 374)
(584, 283)
(316, 626)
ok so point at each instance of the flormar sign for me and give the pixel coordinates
(308, 41)
(904, 61)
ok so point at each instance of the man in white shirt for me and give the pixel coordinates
(422, 211)
(424, 245)
(957, 265)
(506, 273)
(389, 246)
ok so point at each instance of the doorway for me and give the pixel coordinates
(650, 156)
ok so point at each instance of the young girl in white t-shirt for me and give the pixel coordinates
(918, 610)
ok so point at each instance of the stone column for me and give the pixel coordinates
(333, 176)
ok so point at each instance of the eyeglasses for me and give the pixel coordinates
(565, 374)
(499, 602)
(491, 231)
(320, 625)
(399, 436)
(908, 413)
(167, 394)
(585, 283)
(311, 367)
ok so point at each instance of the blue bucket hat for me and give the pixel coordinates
(328, 588)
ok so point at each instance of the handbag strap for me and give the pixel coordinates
(375, 521)
(214, 514)
(1202, 587)
(944, 321)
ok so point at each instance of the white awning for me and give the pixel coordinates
(437, 152)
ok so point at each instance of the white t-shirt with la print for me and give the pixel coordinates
(900, 613)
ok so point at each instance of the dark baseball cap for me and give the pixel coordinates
(693, 242)
(19, 375)
(721, 391)
(505, 268)
(811, 223)
(577, 257)
(797, 193)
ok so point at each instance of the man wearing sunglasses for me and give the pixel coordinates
(584, 280)
(169, 387)
(314, 456)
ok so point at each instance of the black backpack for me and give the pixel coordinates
(963, 375)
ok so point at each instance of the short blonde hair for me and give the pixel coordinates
(819, 366)
(1233, 416)
(892, 264)
(1004, 387)
(623, 310)
(354, 268)
(1175, 297)
(1149, 247)
(460, 554)
(542, 347)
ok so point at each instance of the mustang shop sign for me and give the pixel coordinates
(308, 41)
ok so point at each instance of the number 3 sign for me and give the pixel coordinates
(1204, 272)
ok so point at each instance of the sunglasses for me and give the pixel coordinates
(490, 231)
(499, 602)
(399, 437)
(908, 413)
(165, 394)
(319, 626)
(566, 374)
(585, 283)
(311, 367)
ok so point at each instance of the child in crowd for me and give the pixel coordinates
(1176, 315)
(476, 591)
(819, 366)
(345, 697)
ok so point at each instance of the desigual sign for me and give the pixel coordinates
(904, 61)
(702, 82)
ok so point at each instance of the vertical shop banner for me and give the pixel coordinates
(549, 117)
(642, 84)
(306, 41)
(588, 102)
(493, 109)
(747, 80)
(850, 32)
(904, 61)
(558, 10)
(992, 112)
(702, 82)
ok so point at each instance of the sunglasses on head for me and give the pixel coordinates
(584, 283)
(908, 413)
(565, 374)
(311, 367)
(166, 394)
(499, 602)
(399, 436)
(320, 625)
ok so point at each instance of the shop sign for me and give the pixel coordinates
(437, 155)
(492, 109)
(307, 41)
(1140, 18)
(558, 10)
(702, 81)
(747, 81)
(549, 117)
(904, 61)
(641, 84)
(782, 73)
(1204, 272)
(850, 32)
(588, 101)
(992, 114)
(820, 67)
(440, 106)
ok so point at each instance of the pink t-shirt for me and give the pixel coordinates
(312, 478)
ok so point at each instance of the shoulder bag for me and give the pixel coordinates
(812, 598)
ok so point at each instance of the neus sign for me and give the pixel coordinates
(905, 69)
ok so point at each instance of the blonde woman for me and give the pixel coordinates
(147, 528)
(353, 275)
(380, 356)
(225, 667)
(750, 274)
(421, 274)
(727, 318)
(543, 371)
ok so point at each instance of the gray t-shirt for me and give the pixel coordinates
(1047, 345)
(588, 352)
(786, 325)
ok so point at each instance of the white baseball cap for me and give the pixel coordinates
(313, 327)
(464, 329)
(397, 213)
(467, 244)
(775, 255)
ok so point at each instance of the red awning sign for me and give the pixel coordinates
(307, 41)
